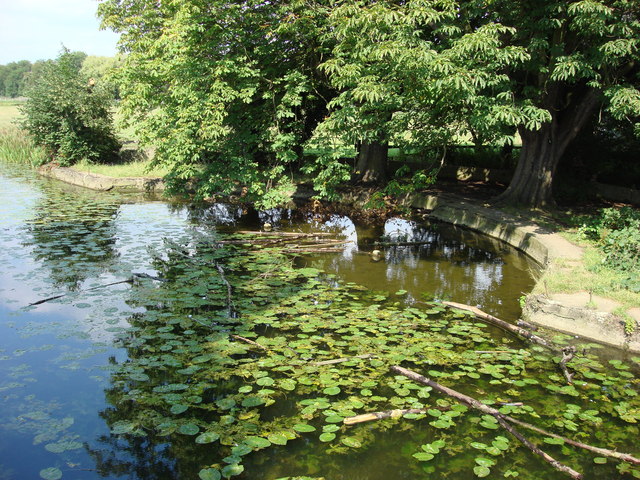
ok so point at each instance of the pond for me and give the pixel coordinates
(152, 340)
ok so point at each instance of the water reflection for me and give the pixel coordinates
(57, 387)
(434, 261)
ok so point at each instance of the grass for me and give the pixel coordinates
(591, 274)
(17, 148)
(9, 113)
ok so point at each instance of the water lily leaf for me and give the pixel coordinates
(481, 471)
(278, 439)
(209, 474)
(265, 381)
(423, 456)
(122, 426)
(252, 401)
(232, 470)
(554, 441)
(334, 419)
(226, 403)
(207, 437)
(288, 384)
(351, 442)
(51, 473)
(189, 429)
(327, 437)
(331, 390)
(241, 450)
(304, 428)
(178, 408)
(257, 442)
(478, 445)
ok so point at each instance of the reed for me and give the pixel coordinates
(16, 147)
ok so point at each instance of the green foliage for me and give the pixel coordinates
(68, 115)
(226, 92)
(617, 232)
(13, 78)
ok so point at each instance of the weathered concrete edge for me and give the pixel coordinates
(545, 248)
(95, 181)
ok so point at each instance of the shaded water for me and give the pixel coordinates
(66, 409)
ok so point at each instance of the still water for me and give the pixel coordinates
(58, 357)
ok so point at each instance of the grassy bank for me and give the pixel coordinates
(597, 273)
(140, 168)
(17, 148)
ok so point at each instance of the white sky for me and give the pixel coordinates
(36, 29)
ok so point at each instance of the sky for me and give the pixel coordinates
(37, 29)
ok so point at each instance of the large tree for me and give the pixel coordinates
(584, 55)
(418, 72)
(226, 91)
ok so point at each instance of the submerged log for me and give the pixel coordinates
(344, 359)
(368, 417)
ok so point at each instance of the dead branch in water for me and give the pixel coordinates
(520, 332)
(368, 417)
(472, 402)
(342, 360)
(128, 280)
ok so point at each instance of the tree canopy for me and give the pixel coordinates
(230, 93)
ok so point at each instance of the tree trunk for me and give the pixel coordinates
(371, 164)
(531, 185)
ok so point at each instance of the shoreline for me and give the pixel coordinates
(569, 313)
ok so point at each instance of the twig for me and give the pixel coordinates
(238, 337)
(229, 290)
(342, 360)
(472, 402)
(128, 280)
(567, 354)
(561, 467)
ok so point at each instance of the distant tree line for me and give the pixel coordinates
(15, 77)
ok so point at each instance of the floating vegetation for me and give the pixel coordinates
(298, 356)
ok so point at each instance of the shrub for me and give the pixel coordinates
(68, 114)
(617, 232)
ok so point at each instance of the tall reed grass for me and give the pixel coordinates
(16, 147)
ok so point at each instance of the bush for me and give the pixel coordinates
(68, 114)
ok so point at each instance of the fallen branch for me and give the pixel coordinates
(229, 290)
(368, 417)
(286, 234)
(128, 280)
(605, 452)
(342, 360)
(521, 332)
(567, 354)
(561, 467)
(251, 342)
(472, 402)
